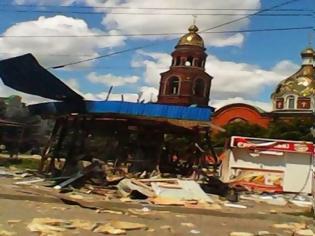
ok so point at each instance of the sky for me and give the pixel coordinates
(246, 66)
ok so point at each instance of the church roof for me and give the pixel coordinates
(308, 51)
(301, 83)
(191, 38)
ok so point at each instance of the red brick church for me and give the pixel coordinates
(187, 83)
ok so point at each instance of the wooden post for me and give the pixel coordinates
(70, 165)
(213, 153)
(62, 134)
(48, 145)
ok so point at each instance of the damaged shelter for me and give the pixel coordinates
(120, 131)
(172, 134)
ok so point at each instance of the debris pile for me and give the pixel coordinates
(55, 227)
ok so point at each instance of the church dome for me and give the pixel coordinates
(191, 38)
(308, 52)
(302, 83)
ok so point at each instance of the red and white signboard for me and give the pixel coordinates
(272, 145)
(269, 165)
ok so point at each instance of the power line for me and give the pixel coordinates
(250, 15)
(148, 8)
(155, 34)
(91, 55)
(54, 55)
(152, 44)
(102, 56)
(152, 13)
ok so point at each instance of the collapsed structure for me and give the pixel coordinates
(135, 130)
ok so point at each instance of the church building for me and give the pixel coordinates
(294, 97)
(186, 82)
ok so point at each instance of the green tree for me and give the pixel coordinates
(295, 129)
(238, 129)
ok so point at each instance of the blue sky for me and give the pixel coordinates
(246, 66)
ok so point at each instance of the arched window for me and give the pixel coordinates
(197, 62)
(189, 61)
(173, 86)
(199, 87)
(291, 102)
(177, 61)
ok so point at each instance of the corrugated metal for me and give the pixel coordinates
(25, 74)
(127, 108)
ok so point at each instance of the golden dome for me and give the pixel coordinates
(191, 38)
(308, 52)
(303, 86)
(301, 83)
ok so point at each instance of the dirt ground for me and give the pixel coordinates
(205, 224)
(19, 205)
(166, 221)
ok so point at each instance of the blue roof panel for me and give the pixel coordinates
(127, 108)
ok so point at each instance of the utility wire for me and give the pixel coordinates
(155, 34)
(250, 15)
(90, 55)
(150, 45)
(152, 13)
(148, 8)
(101, 56)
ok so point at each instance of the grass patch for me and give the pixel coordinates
(20, 163)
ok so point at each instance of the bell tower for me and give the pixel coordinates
(186, 82)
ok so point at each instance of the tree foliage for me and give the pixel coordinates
(294, 129)
(238, 129)
(31, 133)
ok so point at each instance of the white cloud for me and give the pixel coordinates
(72, 83)
(233, 79)
(46, 2)
(111, 80)
(157, 22)
(149, 94)
(26, 98)
(146, 94)
(52, 51)
(129, 97)
(153, 64)
(152, 21)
